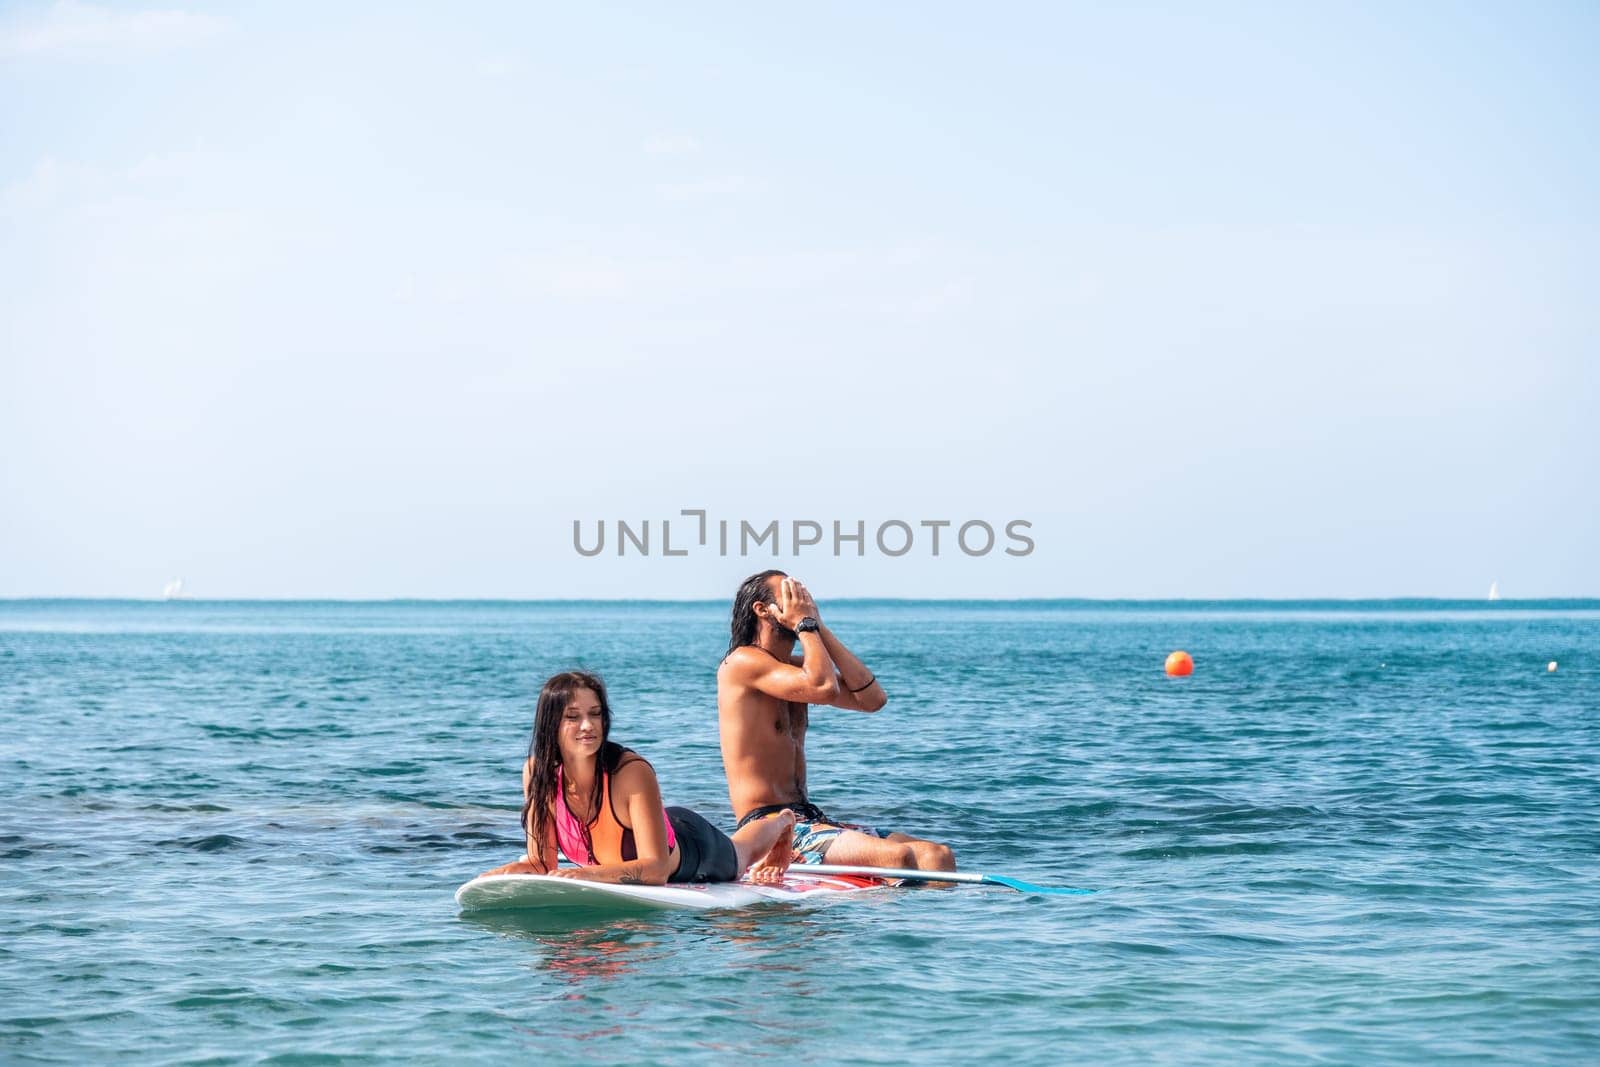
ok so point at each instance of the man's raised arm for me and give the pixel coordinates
(858, 687)
(813, 680)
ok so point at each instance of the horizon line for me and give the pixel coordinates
(1402, 599)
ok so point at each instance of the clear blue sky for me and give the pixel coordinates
(374, 300)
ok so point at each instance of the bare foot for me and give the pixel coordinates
(769, 869)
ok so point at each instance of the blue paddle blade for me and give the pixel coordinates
(1028, 887)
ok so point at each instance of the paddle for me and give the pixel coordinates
(962, 877)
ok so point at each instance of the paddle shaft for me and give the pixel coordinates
(890, 872)
(962, 877)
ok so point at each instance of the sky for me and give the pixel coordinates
(377, 300)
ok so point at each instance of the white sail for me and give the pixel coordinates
(173, 590)
(1494, 590)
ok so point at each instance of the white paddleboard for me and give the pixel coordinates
(543, 892)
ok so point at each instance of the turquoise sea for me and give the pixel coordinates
(1360, 833)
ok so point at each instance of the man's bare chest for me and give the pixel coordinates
(790, 720)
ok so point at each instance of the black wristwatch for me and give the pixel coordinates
(807, 625)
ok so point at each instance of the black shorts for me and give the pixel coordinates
(705, 854)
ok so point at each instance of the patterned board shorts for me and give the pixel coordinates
(814, 831)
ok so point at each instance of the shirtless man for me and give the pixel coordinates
(763, 693)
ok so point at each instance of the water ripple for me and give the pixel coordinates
(231, 833)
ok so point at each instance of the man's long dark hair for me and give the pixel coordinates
(544, 756)
(751, 592)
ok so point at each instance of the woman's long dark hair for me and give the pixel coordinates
(751, 592)
(544, 756)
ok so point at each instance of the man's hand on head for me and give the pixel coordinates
(794, 602)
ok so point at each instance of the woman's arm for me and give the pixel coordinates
(532, 861)
(636, 795)
(543, 858)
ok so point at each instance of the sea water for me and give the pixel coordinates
(230, 832)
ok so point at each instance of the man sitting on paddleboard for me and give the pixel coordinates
(764, 690)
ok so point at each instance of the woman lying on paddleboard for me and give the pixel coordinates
(601, 804)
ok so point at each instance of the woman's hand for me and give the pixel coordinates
(515, 867)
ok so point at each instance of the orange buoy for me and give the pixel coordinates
(1180, 663)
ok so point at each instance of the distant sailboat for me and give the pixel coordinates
(1494, 590)
(173, 590)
